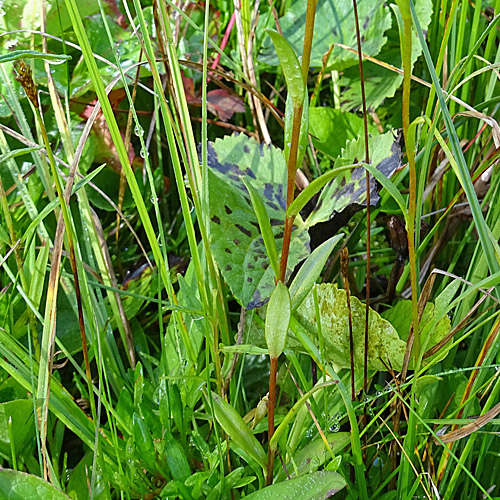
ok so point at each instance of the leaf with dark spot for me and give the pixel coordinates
(231, 160)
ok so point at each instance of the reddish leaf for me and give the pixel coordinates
(223, 104)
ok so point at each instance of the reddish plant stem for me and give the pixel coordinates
(290, 191)
(270, 417)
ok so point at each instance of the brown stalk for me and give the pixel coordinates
(368, 221)
(344, 267)
(270, 417)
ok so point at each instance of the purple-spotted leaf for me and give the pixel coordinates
(346, 194)
(235, 235)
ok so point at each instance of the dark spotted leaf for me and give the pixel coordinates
(346, 194)
(235, 236)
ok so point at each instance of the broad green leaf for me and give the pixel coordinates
(334, 24)
(314, 454)
(291, 68)
(16, 485)
(381, 83)
(331, 129)
(315, 486)
(277, 319)
(311, 269)
(348, 192)
(236, 241)
(384, 344)
(234, 426)
(432, 327)
(127, 46)
(20, 413)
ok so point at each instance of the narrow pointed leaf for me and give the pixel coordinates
(310, 270)
(265, 226)
(291, 68)
(234, 426)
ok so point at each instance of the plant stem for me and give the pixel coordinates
(410, 152)
(290, 191)
(367, 177)
(270, 417)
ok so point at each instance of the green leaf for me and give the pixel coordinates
(128, 48)
(311, 269)
(381, 83)
(384, 344)
(20, 414)
(331, 129)
(277, 319)
(433, 327)
(314, 187)
(291, 68)
(334, 23)
(234, 426)
(347, 194)
(236, 241)
(315, 453)
(265, 227)
(16, 55)
(16, 485)
(144, 443)
(18, 152)
(316, 486)
(176, 458)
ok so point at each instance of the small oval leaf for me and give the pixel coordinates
(278, 319)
